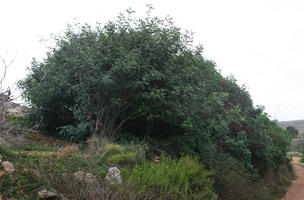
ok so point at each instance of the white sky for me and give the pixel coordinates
(260, 42)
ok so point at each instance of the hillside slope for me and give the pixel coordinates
(298, 124)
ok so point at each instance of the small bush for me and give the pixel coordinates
(292, 131)
(123, 158)
(101, 146)
(139, 150)
(103, 150)
(110, 148)
(171, 179)
(94, 143)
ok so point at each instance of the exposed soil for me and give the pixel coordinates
(296, 189)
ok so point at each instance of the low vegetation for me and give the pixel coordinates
(137, 94)
(186, 178)
(43, 168)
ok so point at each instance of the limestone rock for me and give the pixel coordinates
(83, 176)
(114, 176)
(8, 167)
(50, 195)
(47, 194)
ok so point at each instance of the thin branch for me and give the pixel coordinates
(26, 90)
(5, 69)
(133, 115)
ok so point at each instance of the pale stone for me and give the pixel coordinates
(8, 167)
(83, 176)
(114, 176)
(45, 194)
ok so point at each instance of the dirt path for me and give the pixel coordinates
(296, 189)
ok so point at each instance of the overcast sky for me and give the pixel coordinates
(260, 42)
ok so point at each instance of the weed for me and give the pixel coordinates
(123, 158)
(110, 149)
(170, 179)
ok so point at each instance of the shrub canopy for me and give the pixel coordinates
(143, 77)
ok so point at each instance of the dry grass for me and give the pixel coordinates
(80, 190)
(68, 149)
(95, 143)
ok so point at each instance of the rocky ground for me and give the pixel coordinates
(33, 166)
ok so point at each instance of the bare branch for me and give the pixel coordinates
(5, 94)
(5, 69)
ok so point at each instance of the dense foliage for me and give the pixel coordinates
(292, 131)
(143, 78)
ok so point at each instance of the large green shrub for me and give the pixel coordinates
(144, 77)
(95, 80)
